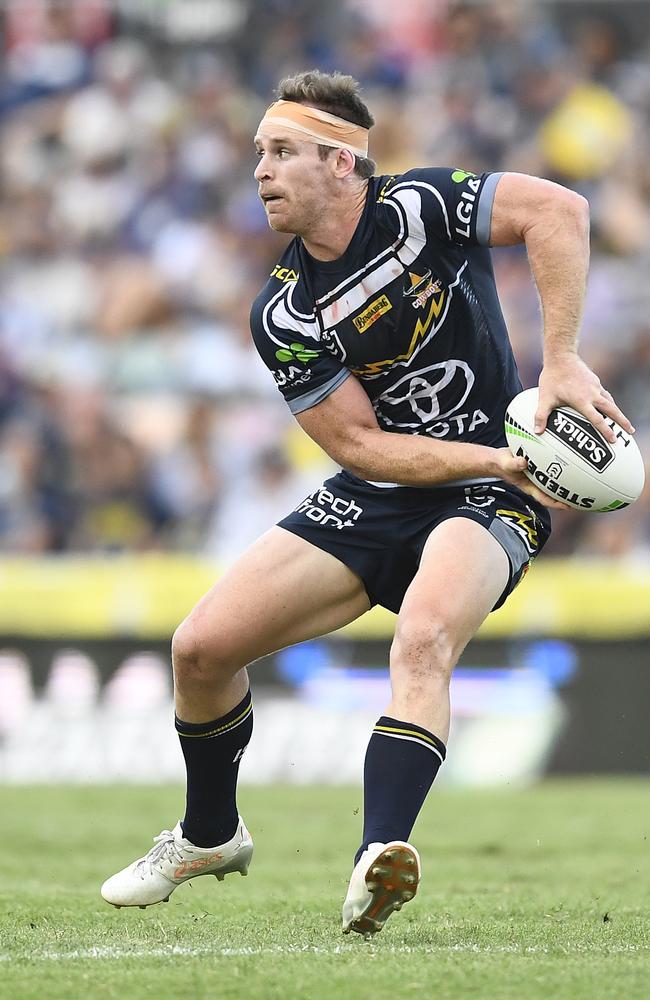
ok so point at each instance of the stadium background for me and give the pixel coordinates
(143, 444)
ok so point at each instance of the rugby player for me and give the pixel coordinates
(383, 331)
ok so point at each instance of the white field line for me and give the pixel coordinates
(112, 953)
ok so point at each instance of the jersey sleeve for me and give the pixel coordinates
(287, 342)
(454, 205)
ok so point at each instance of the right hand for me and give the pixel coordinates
(511, 468)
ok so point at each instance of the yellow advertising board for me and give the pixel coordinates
(147, 596)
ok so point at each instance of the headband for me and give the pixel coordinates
(314, 125)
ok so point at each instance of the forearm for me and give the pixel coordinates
(558, 251)
(557, 243)
(411, 460)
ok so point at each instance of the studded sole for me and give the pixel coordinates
(145, 906)
(392, 880)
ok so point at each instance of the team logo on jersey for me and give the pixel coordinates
(284, 273)
(422, 287)
(370, 315)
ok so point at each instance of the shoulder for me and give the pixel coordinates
(432, 180)
(283, 285)
(454, 204)
(419, 191)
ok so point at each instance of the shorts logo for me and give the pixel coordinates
(479, 496)
(370, 315)
(523, 524)
(584, 440)
(327, 509)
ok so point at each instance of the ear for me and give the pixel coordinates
(344, 163)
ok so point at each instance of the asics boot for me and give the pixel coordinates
(385, 877)
(173, 860)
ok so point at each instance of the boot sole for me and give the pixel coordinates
(220, 876)
(392, 880)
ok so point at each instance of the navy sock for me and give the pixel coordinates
(212, 751)
(402, 760)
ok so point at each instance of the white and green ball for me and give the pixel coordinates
(571, 461)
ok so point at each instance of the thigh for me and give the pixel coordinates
(463, 571)
(283, 590)
(520, 526)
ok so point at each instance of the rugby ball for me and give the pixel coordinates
(571, 461)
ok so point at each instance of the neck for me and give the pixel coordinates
(331, 235)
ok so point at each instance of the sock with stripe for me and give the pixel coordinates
(402, 760)
(212, 752)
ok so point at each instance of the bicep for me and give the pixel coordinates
(341, 421)
(520, 201)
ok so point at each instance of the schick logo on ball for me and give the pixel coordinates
(577, 434)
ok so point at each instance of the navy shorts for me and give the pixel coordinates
(380, 533)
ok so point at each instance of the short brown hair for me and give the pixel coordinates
(337, 94)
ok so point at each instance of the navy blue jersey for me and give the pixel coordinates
(410, 310)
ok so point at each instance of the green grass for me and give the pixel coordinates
(541, 893)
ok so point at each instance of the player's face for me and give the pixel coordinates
(293, 183)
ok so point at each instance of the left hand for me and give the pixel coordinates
(568, 381)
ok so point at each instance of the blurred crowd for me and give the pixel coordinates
(134, 412)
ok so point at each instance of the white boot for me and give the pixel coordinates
(173, 860)
(385, 877)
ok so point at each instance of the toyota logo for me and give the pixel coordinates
(433, 393)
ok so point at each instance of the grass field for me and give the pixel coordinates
(526, 894)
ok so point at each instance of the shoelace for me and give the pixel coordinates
(165, 848)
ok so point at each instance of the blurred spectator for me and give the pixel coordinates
(134, 412)
(269, 489)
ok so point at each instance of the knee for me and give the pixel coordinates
(423, 647)
(200, 659)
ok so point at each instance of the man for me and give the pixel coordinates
(382, 328)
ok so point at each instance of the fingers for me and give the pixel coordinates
(542, 497)
(607, 405)
(597, 419)
(603, 405)
(596, 413)
(514, 471)
(541, 414)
